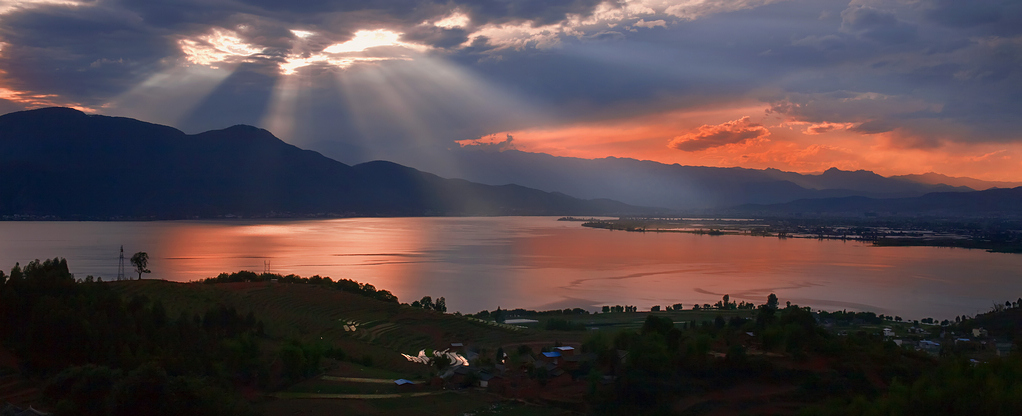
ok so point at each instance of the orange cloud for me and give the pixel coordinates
(989, 155)
(710, 136)
(820, 128)
(31, 100)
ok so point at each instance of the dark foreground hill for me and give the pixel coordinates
(989, 203)
(64, 163)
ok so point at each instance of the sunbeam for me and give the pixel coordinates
(282, 110)
(169, 96)
(413, 111)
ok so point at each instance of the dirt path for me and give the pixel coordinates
(286, 395)
(359, 380)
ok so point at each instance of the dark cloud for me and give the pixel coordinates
(876, 24)
(79, 53)
(938, 68)
(436, 37)
(541, 12)
(998, 17)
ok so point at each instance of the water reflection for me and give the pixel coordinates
(480, 263)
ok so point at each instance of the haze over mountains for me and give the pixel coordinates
(648, 183)
(64, 163)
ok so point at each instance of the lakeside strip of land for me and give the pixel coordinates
(1001, 237)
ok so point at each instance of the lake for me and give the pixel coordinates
(539, 263)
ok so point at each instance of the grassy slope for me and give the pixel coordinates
(309, 312)
(385, 330)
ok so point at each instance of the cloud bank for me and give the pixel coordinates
(387, 76)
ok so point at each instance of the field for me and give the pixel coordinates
(382, 331)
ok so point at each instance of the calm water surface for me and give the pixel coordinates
(539, 263)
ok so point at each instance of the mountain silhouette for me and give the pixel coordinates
(936, 178)
(64, 163)
(648, 183)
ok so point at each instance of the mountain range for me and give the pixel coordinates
(997, 202)
(649, 183)
(63, 163)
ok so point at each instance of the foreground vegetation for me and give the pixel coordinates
(245, 343)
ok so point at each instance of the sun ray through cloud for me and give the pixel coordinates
(168, 96)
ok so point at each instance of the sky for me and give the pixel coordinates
(893, 86)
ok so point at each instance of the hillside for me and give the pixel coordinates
(311, 312)
(64, 163)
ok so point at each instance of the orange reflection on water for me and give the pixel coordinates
(359, 249)
(539, 263)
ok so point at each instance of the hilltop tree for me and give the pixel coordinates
(140, 261)
(772, 302)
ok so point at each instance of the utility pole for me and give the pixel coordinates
(120, 265)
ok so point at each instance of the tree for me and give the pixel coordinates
(772, 301)
(140, 260)
(440, 305)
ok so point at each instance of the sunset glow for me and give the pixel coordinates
(753, 137)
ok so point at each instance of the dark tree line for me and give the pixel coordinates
(78, 331)
(427, 303)
(346, 285)
(664, 363)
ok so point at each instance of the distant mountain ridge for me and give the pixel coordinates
(936, 178)
(64, 163)
(996, 202)
(648, 183)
